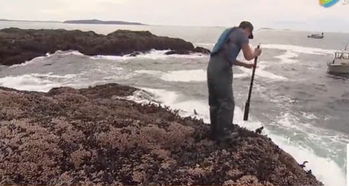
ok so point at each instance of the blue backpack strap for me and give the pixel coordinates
(223, 39)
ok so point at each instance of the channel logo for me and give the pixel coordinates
(328, 3)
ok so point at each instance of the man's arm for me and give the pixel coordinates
(246, 65)
(249, 53)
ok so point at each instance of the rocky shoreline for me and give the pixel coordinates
(92, 135)
(20, 45)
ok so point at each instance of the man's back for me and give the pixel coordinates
(232, 48)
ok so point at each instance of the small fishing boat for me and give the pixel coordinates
(340, 63)
(316, 36)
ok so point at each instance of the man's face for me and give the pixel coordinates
(248, 32)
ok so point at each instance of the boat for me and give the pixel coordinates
(316, 36)
(340, 63)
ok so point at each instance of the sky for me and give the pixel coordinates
(286, 14)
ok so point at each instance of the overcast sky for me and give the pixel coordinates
(293, 14)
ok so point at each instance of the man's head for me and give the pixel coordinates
(248, 28)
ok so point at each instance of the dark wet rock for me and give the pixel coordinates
(202, 50)
(259, 130)
(20, 45)
(303, 164)
(93, 136)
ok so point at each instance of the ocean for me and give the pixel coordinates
(303, 108)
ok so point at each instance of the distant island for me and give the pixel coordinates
(96, 21)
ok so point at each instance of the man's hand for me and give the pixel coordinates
(257, 52)
(244, 64)
(249, 65)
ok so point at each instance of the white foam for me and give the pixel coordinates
(112, 58)
(41, 59)
(35, 60)
(299, 49)
(35, 82)
(141, 96)
(241, 75)
(288, 57)
(150, 72)
(27, 82)
(197, 75)
(263, 73)
(309, 116)
(164, 96)
(153, 54)
(187, 56)
(67, 53)
(288, 121)
(185, 76)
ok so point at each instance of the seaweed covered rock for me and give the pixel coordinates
(20, 45)
(93, 135)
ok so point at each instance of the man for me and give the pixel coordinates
(220, 77)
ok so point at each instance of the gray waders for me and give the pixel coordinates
(221, 100)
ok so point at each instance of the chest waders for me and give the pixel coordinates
(221, 99)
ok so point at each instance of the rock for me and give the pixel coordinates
(259, 130)
(20, 45)
(92, 136)
(303, 164)
(202, 50)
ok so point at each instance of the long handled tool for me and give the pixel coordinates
(247, 105)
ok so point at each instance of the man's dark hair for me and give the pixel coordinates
(246, 24)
